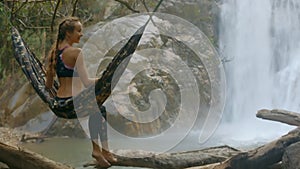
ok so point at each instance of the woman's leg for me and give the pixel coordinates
(95, 125)
(103, 137)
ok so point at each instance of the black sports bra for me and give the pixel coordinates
(63, 70)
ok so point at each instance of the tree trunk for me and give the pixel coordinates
(172, 160)
(283, 116)
(262, 157)
(209, 166)
(18, 158)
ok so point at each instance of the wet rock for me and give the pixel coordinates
(66, 127)
(20, 96)
(3, 166)
(291, 156)
(12, 136)
(39, 123)
(32, 107)
(203, 14)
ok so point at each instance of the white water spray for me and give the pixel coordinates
(261, 38)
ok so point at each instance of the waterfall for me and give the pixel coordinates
(260, 40)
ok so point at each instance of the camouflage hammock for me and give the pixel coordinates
(35, 73)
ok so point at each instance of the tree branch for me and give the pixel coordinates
(172, 160)
(20, 7)
(127, 6)
(74, 7)
(146, 7)
(12, 15)
(18, 158)
(54, 14)
(32, 27)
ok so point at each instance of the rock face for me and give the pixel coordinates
(204, 14)
(26, 111)
(22, 107)
(32, 107)
(12, 136)
(66, 127)
(290, 159)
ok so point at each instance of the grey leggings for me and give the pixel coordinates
(98, 125)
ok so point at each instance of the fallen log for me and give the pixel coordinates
(209, 166)
(172, 160)
(37, 139)
(283, 116)
(264, 156)
(291, 156)
(18, 158)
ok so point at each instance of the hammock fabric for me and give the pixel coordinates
(35, 73)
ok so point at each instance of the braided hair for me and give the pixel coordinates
(67, 25)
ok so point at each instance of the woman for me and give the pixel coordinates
(61, 62)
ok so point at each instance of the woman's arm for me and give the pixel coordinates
(82, 70)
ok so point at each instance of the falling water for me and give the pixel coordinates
(260, 40)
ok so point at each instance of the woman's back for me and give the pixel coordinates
(69, 80)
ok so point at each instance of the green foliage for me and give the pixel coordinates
(5, 47)
(34, 21)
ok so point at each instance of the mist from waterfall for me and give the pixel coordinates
(260, 40)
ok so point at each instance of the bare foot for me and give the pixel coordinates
(109, 156)
(100, 159)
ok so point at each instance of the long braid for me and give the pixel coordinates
(67, 25)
